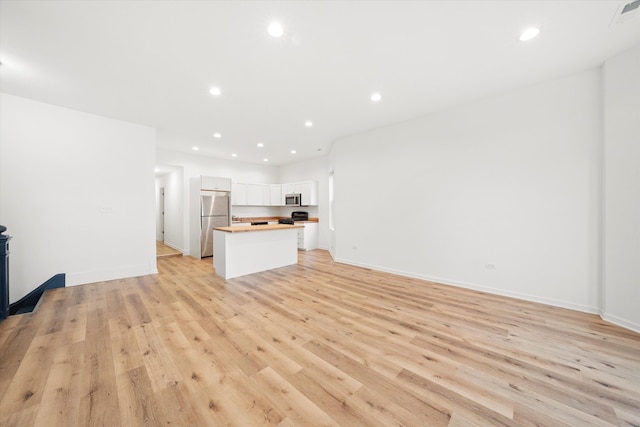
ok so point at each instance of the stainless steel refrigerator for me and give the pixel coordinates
(214, 212)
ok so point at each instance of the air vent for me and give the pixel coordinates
(626, 12)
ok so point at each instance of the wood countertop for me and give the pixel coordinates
(241, 229)
(265, 218)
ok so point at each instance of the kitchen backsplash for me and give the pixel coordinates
(268, 211)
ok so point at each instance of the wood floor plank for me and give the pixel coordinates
(136, 310)
(25, 389)
(431, 414)
(12, 353)
(6, 326)
(126, 351)
(518, 372)
(25, 417)
(99, 406)
(299, 408)
(244, 402)
(160, 365)
(313, 344)
(59, 405)
(185, 406)
(137, 402)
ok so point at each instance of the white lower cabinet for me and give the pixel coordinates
(308, 236)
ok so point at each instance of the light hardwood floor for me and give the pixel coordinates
(163, 250)
(315, 344)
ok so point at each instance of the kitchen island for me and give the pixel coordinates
(238, 251)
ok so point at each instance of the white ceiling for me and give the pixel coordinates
(153, 62)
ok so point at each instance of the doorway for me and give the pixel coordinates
(161, 214)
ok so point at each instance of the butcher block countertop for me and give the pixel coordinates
(241, 229)
(236, 220)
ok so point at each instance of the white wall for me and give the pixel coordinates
(621, 251)
(76, 194)
(312, 170)
(512, 181)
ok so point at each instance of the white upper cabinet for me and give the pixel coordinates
(215, 183)
(254, 194)
(286, 189)
(307, 189)
(238, 193)
(273, 194)
(309, 192)
(266, 194)
(276, 195)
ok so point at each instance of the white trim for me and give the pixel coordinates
(333, 255)
(473, 286)
(173, 247)
(123, 272)
(621, 322)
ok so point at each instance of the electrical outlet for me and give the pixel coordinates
(490, 266)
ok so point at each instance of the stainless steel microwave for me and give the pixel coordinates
(294, 199)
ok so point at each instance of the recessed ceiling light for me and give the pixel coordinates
(275, 29)
(194, 148)
(529, 33)
(266, 160)
(375, 97)
(260, 144)
(308, 123)
(293, 151)
(234, 155)
(217, 135)
(215, 91)
(156, 170)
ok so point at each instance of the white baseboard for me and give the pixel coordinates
(476, 287)
(172, 246)
(635, 327)
(121, 272)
